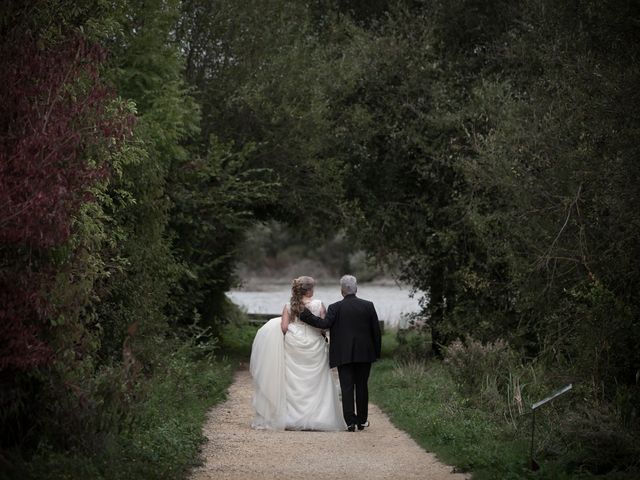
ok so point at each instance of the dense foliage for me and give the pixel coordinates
(506, 134)
(110, 206)
(485, 150)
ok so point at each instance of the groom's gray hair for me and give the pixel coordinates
(348, 284)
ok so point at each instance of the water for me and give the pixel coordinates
(391, 301)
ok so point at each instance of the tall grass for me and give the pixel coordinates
(160, 438)
(474, 413)
(236, 339)
(424, 400)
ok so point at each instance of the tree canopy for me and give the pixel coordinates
(486, 150)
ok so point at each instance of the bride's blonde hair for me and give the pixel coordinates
(299, 288)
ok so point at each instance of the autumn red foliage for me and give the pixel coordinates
(56, 110)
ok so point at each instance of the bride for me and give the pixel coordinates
(293, 388)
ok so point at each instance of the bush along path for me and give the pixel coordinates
(235, 451)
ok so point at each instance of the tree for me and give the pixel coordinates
(60, 126)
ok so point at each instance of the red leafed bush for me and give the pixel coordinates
(54, 107)
(56, 114)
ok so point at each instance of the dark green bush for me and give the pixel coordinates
(413, 344)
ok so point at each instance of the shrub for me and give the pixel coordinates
(160, 427)
(491, 370)
(413, 344)
(595, 442)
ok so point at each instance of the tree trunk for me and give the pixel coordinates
(436, 310)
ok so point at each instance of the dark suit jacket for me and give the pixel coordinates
(355, 331)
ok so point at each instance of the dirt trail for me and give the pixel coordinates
(235, 451)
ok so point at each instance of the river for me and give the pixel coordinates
(391, 301)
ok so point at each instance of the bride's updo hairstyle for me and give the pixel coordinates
(299, 288)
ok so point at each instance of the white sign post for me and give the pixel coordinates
(533, 465)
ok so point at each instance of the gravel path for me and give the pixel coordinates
(235, 451)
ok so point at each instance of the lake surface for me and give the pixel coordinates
(391, 301)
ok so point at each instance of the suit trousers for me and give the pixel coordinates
(353, 379)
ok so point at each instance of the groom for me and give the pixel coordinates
(355, 344)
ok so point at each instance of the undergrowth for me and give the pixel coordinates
(159, 439)
(473, 411)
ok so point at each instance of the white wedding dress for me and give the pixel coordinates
(293, 386)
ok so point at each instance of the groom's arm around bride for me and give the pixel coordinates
(354, 328)
(355, 344)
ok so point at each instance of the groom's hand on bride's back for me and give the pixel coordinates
(306, 315)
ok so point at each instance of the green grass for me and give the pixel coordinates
(164, 440)
(164, 437)
(422, 399)
(389, 343)
(236, 340)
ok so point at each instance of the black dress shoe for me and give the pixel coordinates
(362, 425)
(351, 428)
